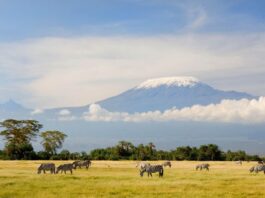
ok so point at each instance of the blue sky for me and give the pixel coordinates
(99, 48)
(34, 18)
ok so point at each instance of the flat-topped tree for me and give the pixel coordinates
(52, 140)
(18, 135)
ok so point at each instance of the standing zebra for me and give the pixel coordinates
(64, 168)
(47, 167)
(202, 166)
(81, 164)
(152, 169)
(257, 168)
(166, 163)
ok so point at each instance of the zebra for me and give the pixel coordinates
(238, 162)
(257, 168)
(80, 164)
(152, 169)
(142, 165)
(202, 166)
(47, 167)
(64, 168)
(167, 163)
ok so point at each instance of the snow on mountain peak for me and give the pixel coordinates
(185, 81)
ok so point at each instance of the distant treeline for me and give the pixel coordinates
(127, 151)
(18, 135)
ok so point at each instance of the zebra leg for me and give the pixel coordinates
(161, 173)
(44, 171)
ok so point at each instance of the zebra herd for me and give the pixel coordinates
(63, 167)
(143, 167)
(149, 169)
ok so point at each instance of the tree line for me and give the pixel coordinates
(19, 134)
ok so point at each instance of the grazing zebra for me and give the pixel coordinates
(257, 168)
(142, 165)
(47, 167)
(64, 168)
(202, 166)
(152, 169)
(167, 163)
(81, 164)
(239, 162)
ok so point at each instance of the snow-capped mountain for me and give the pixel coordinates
(165, 93)
(151, 95)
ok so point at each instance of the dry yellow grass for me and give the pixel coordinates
(121, 179)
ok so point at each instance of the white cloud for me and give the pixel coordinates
(230, 111)
(37, 111)
(66, 115)
(64, 112)
(52, 72)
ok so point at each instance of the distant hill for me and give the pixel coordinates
(165, 93)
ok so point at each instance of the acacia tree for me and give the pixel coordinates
(18, 134)
(52, 140)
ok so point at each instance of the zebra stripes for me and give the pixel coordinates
(152, 169)
(64, 168)
(202, 166)
(257, 168)
(47, 167)
(81, 164)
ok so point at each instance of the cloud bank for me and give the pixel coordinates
(228, 111)
(47, 72)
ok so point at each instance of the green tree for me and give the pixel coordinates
(52, 140)
(18, 135)
(125, 149)
(209, 152)
(183, 152)
(64, 155)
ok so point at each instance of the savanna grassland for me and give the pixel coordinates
(121, 179)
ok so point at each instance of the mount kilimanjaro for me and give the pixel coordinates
(151, 95)
(165, 93)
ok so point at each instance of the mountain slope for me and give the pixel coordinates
(11, 109)
(164, 93)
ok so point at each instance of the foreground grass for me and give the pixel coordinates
(121, 179)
